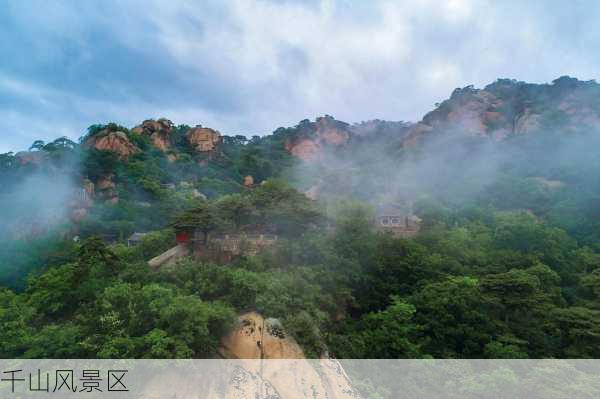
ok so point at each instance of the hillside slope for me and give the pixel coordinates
(472, 233)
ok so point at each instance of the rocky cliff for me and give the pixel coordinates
(267, 354)
(508, 108)
(314, 138)
(259, 338)
(203, 139)
(159, 131)
(113, 141)
(501, 110)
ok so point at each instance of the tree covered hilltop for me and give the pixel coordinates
(473, 233)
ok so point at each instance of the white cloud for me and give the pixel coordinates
(250, 66)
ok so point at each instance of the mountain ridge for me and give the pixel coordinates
(503, 108)
(140, 165)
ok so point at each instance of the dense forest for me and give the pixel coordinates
(506, 264)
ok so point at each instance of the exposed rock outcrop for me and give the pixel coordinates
(203, 139)
(106, 188)
(415, 134)
(313, 138)
(304, 148)
(508, 108)
(159, 131)
(105, 183)
(284, 368)
(248, 181)
(528, 122)
(259, 338)
(331, 131)
(116, 142)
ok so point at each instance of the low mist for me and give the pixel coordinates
(449, 166)
(36, 205)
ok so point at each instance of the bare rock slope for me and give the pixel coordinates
(277, 361)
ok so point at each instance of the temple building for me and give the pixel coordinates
(397, 220)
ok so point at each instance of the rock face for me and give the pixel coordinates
(116, 142)
(313, 138)
(106, 189)
(508, 108)
(304, 148)
(274, 365)
(259, 338)
(500, 111)
(159, 132)
(105, 183)
(203, 139)
(248, 181)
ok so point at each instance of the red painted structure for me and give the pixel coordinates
(182, 237)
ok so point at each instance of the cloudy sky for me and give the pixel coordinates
(248, 67)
